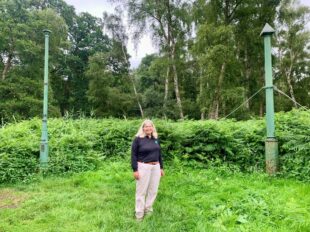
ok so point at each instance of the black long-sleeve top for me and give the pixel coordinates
(145, 150)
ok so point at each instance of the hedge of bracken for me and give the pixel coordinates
(82, 144)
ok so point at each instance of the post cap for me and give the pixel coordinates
(46, 31)
(267, 30)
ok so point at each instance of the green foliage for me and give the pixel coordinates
(108, 90)
(294, 137)
(73, 40)
(74, 146)
(150, 78)
(87, 39)
(23, 97)
(22, 52)
(80, 145)
(292, 40)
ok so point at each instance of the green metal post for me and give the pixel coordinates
(44, 137)
(271, 143)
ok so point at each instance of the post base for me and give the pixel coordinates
(43, 155)
(272, 158)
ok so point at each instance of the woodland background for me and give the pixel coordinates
(210, 59)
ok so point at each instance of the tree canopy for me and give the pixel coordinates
(209, 60)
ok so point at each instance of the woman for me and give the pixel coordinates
(147, 165)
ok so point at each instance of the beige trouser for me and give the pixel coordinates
(146, 188)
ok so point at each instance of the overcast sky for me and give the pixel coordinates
(97, 7)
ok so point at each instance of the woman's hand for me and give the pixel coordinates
(162, 173)
(136, 175)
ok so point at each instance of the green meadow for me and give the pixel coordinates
(189, 199)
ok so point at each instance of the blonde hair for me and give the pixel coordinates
(141, 133)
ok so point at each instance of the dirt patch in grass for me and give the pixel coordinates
(10, 199)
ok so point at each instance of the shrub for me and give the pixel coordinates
(80, 145)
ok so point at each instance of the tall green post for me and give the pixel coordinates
(44, 137)
(271, 143)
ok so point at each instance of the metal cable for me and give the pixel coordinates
(244, 102)
(281, 92)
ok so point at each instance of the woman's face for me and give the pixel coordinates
(148, 128)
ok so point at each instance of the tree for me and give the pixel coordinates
(241, 71)
(12, 14)
(22, 53)
(86, 39)
(114, 24)
(107, 90)
(215, 51)
(150, 77)
(168, 23)
(293, 55)
(251, 17)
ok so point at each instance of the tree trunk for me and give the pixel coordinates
(203, 115)
(289, 82)
(247, 78)
(214, 113)
(133, 84)
(7, 66)
(263, 98)
(290, 86)
(170, 39)
(136, 94)
(202, 104)
(176, 82)
(261, 109)
(166, 90)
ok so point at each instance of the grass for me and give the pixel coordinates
(189, 200)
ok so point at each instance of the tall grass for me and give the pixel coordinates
(189, 199)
